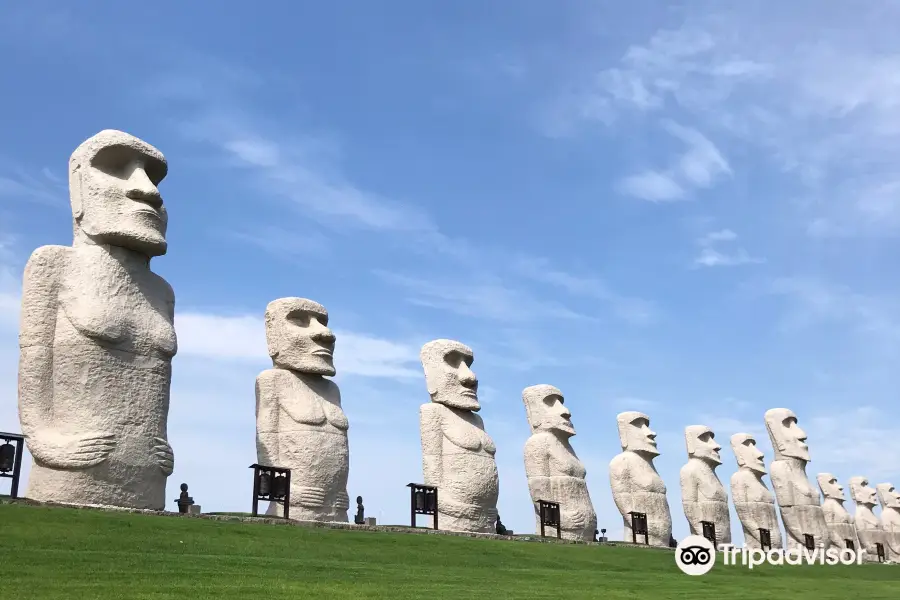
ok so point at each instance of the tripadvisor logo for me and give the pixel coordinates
(696, 555)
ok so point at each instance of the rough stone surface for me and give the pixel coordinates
(839, 521)
(636, 485)
(300, 424)
(702, 494)
(97, 337)
(553, 470)
(890, 519)
(868, 525)
(457, 453)
(801, 511)
(753, 502)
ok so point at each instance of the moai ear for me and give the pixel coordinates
(75, 192)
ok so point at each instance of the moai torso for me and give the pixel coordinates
(637, 486)
(457, 453)
(799, 503)
(300, 424)
(97, 341)
(458, 459)
(755, 508)
(553, 470)
(840, 523)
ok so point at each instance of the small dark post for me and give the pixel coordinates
(765, 539)
(550, 516)
(11, 460)
(709, 532)
(184, 501)
(423, 500)
(639, 527)
(879, 551)
(850, 545)
(809, 541)
(602, 536)
(272, 484)
(360, 518)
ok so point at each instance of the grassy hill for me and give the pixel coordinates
(60, 553)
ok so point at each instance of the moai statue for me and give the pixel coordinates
(890, 519)
(753, 502)
(553, 470)
(457, 453)
(868, 525)
(300, 424)
(97, 338)
(801, 511)
(702, 494)
(636, 485)
(839, 522)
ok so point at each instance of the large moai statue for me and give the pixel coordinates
(457, 453)
(801, 511)
(839, 521)
(702, 494)
(636, 485)
(868, 525)
(753, 502)
(300, 424)
(553, 470)
(890, 519)
(97, 337)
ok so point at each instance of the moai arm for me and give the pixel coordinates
(266, 420)
(161, 449)
(537, 469)
(620, 480)
(37, 329)
(432, 434)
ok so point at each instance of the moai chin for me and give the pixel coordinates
(890, 519)
(753, 502)
(636, 485)
(798, 499)
(702, 494)
(96, 337)
(300, 424)
(553, 470)
(457, 453)
(839, 521)
(868, 526)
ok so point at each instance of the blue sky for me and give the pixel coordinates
(689, 211)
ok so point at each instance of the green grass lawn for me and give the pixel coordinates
(72, 554)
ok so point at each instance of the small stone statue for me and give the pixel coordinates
(360, 518)
(501, 529)
(596, 533)
(184, 501)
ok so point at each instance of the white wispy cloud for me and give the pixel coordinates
(711, 254)
(10, 284)
(488, 298)
(243, 338)
(818, 95)
(17, 184)
(697, 167)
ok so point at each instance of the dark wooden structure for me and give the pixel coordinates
(423, 500)
(549, 512)
(272, 484)
(11, 452)
(639, 527)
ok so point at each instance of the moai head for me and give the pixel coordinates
(298, 337)
(635, 434)
(830, 487)
(862, 493)
(788, 440)
(545, 409)
(888, 496)
(701, 443)
(448, 374)
(747, 454)
(112, 188)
